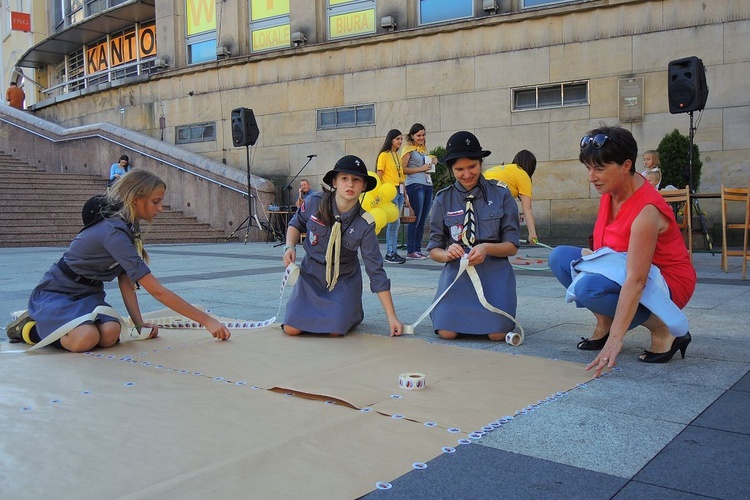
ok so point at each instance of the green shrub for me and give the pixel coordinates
(441, 178)
(673, 157)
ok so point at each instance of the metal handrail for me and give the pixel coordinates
(143, 66)
(125, 146)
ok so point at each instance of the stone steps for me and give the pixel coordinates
(39, 208)
(31, 182)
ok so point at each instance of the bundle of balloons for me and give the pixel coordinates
(379, 202)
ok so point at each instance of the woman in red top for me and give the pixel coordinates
(633, 218)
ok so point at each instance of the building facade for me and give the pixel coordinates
(331, 77)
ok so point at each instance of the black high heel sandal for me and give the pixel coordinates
(592, 345)
(679, 344)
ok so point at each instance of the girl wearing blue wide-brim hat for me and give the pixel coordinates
(327, 297)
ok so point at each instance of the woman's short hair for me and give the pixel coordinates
(608, 144)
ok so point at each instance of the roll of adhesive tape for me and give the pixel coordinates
(292, 273)
(514, 339)
(412, 381)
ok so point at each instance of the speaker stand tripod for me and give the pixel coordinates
(251, 217)
(696, 207)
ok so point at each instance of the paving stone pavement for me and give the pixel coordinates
(678, 430)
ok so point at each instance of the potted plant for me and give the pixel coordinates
(674, 162)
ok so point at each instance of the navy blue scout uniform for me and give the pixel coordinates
(99, 253)
(496, 221)
(311, 306)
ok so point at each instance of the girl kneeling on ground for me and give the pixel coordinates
(328, 295)
(107, 247)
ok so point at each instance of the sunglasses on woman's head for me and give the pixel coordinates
(596, 141)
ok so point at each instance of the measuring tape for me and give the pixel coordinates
(291, 274)
(129, 332)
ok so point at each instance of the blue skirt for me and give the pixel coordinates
(58, 299)
(460, 310)
(313, 309)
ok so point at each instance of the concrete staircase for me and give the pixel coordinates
(39, 208)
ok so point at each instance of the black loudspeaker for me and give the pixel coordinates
(687, 87)
(244, 127)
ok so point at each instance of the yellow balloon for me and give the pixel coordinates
(377, 179)
(369, 201)
(380, 218)
(387, 191)
(391, 211)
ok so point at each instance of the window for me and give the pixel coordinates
(348, 18)
(58, 18)
(94, 7)
(197, 132)
(269, 25)
(346, 116)
(76, 11)
(437, 11)
(200, 20)
(122, 54)
(538, 3)
(201, 50)
(67, 12)
(5, 27)
(551, 96)
(76, 73)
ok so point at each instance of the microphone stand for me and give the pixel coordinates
(289, 186)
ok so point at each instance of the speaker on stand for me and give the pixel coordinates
(687, 92)
(245, 132)
(687, 88)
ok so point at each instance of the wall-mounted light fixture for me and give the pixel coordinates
(298, 38)
(490, 6)
(160, 63)
(388, 23)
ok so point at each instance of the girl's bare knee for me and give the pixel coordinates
(447, 334)
(109, 333)
(290, 330)
(81, 338)
(497, 336)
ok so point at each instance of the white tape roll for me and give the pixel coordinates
(291, 273)
(412, 381)
(514, 339)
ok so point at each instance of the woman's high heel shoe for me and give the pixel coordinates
(592, 345)
(679, 344)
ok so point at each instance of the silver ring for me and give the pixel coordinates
(604, 359)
